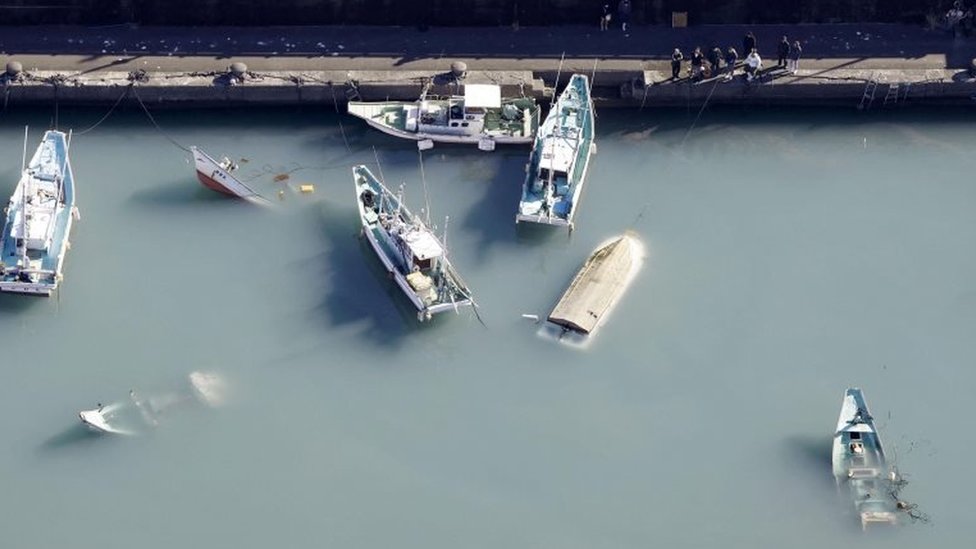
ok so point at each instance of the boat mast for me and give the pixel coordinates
(555, 86)
(25, 180)
(423, 179)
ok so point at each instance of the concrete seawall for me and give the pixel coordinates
(864, 65)
(619, 88)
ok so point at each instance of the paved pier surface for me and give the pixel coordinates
(187, 65)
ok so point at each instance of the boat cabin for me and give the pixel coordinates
(33, 222)
(459, 115)
(422, 249)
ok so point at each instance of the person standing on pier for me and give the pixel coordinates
(782, 52)
(748, 43)
(714, 60)
(623, 12)
(697, 61)
(676, 59)
(794, 62)
(731, 58)
(605, 17)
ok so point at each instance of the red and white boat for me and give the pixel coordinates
(219, 177)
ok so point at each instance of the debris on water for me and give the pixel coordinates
(532, 317)
(281, 177)
(341, 47)
(307, 189)
(281, 194)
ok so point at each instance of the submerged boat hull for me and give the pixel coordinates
(214, 176)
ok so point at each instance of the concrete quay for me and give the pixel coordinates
(864, 65)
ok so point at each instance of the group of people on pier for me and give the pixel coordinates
(708, 65)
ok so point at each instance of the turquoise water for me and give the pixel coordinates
(789, 255)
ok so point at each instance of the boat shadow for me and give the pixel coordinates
(358, 289)
(181, 193)
(74, 436)
(16, 303)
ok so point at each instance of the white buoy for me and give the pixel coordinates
(532, 317)
(425, 144)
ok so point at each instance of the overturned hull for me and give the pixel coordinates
(597, 286)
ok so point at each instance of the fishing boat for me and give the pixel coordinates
(409, 249)
(560, 157)
(859, 463)
(39, 218)
(138, 414)
(219, 176)
(481, 115)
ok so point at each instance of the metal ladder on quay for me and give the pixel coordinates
(868, 97)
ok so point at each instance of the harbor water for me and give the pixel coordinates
(789, 255)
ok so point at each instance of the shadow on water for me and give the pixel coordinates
(358, 289)
(75, 436)
(15, 303)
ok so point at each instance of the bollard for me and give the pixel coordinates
(459, 69)
(238, 70)
(14, 68)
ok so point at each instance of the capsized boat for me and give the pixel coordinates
(598, 285)
(859, 463)
(39, 218)
(479, 116)
(408, 248)
(137, 414)
(219, 176)
(560, 157)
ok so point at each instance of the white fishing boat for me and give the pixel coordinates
(560, 157)
(409, 249)
(481, 115)
(137, 414)
(219, 176)
(859, 463)
(38, 219)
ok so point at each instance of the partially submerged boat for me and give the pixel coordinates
(409, 249)
(219, 176)
(481, 115)
(560, 157)
(138, 414)
(39, 218)
(859, 463)
(598, 285)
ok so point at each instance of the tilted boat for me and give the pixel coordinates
(479, 116)
(138, 414)
(408, 248)
(859, 462)
(219, 176)
(39, 218)
(560, 157)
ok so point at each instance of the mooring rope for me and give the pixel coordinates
(339, 117)
(154, 123)
(701, 110)
(109, 113)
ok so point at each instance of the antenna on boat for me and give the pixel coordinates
(423, 180)
(23, 165)
(552, 100)
(378, 166)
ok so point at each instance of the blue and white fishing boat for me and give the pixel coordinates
(859, 463)
(409, 249)
(39, 217)
(560, 157)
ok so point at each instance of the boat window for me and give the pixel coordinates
(855, 435)
(454, 124)
(464, 124)
(544, 173)
(475, 110)
(422, 264)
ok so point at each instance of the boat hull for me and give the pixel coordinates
(215, 177)
(560, 211)
(43, 269)
(380, 244)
